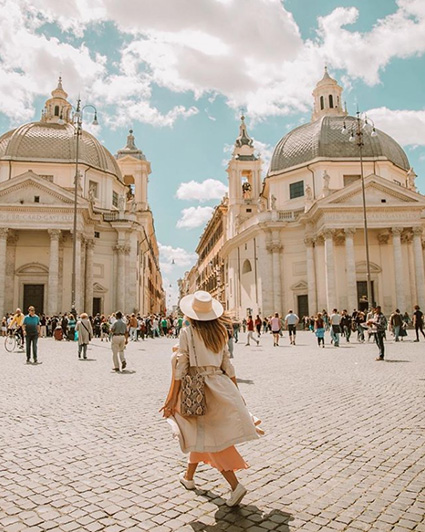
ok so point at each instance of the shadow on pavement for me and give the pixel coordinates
(242, 518)
(386, 360)
(87, 359)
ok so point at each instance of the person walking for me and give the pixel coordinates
(291, 322)
(31, 330)
(396, 323)
(209, 438)
(236, 326)
(119, 341)
(85, 334)
(378, 324)
(250, 327)
(133, 327)
(335, 321)
(275, 324)
(258, 324)
(345, 325)
(319, 330)
(418, 322)
(71, 327)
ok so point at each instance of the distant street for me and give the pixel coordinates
(85, 449)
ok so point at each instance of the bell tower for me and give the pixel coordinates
(244, 171)
(327, 98)
(57, 110)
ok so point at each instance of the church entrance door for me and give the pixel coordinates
(362, 294)
(97, 305)
(302, 306)
(33, 295)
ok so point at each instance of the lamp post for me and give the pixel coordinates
(356, 135)
(77, 121)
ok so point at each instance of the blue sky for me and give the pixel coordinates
(178, 72)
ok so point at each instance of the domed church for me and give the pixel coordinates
(116, 249)
(296, 240)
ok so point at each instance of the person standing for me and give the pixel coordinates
(319, 330)
(396, 323)
(291, 322)
(250, 327)
(119, 341)
(31, 329)
(258, 323)
(275, 324)
(236, 327)
(210, 438)
(133, 327)
(85, 334)
(418, 322)
(71, 327)
(335, 321)
(346, 325)
(379, 324)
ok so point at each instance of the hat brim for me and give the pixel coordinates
(187, 309)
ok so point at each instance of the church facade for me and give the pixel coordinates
(296, 241)
(116, 250)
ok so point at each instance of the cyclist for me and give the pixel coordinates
(16, 323)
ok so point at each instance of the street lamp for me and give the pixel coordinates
(361, 124)
(77, 120)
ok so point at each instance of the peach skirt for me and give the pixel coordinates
(227, 460)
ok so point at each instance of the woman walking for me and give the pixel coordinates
(85, 334)
(209, 438)
(319, 329)
(276, 324)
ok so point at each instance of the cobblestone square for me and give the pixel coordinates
(85, 449)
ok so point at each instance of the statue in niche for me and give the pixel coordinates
(121, 202)
(411, 176)
(308, 193)
(326, 178)
(246, 190)
(273, 200)
(261, 204)
(92, 196)
(133, 205)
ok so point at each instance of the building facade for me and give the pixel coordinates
(117, 263)
(296, 239)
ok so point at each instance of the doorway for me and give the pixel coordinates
(302, 306)
(362, 294)
(97, 305)
(34, 295)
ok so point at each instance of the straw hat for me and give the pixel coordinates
(201, 306)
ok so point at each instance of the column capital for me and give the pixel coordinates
(120, 249)
(309, 241)
(383, 237)
(417, 231)
(54, 234)
(396, 231)
(349, 231)
(3, 232)
(407, 237)
(12, 237)
(90, 243)
(274, 247)
(328, 233)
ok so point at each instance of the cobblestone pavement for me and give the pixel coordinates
(84, 448)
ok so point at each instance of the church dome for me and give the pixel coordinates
(324, 138)
(55, 143)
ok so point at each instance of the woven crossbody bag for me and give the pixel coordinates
(193, 391)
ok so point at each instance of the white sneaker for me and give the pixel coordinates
(236, 495)
(188, 484)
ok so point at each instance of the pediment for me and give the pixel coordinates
(23, 189)
(361, 267)
(98, 288)
(34, 268)
(378, 191)
(302, 285)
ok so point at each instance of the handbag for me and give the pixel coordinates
(193, 391)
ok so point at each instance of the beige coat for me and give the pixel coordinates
(85, 331)
(227, 420)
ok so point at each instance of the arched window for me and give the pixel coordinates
(246, 268)
(56, 110)
(322, 103)
(331, 101)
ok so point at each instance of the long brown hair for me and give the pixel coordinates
(213, 332)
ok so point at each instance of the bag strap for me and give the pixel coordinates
(82, 323)
(193, 345)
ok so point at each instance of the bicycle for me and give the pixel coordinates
(13, 340)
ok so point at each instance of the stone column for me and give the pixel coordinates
(275, 248)
(398, 268)
(3, 248)
(419, 266)
(311, 275)
(350, 263)
(120, 284)
(407, 239)
(52, 304)
(330, 270)
(127, 280)
(89, 277)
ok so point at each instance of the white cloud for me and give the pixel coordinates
(181, 258)
(406, 127)
(210, 189)
(194, 217)
(265, 151)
